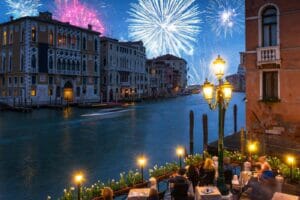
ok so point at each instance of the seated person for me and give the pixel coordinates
(193, 175)
(208, 172)
(227, 170)
(107, 193)
(153, 195)
(180, 185)
(265, 171)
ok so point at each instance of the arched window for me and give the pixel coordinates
(84, 65)
(73, 65)
(64, 65)
(59, 65)
(33, 61)
(68, 65)
(33, 34)
(78, 66)
(51, 39)
(95, 66)
(96, 44)
(50, 62)
(84, 43)
(269, 26)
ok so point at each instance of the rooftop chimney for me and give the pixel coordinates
(90, 27)
(11, 18)
(45, 15)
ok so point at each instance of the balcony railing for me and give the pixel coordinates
(268, 55)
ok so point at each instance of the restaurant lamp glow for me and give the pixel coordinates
(78, 178)
(180, 151)
(142, 161)
(291, 160)
(252, 147)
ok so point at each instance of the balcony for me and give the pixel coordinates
(268, 56)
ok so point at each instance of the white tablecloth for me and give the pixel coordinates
(139, 194)
(201, 195)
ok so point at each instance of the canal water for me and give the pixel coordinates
(40, 151)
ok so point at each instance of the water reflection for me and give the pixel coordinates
(40, 155)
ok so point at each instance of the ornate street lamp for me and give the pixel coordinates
(218, 97)
(78, 178)
(291, 162)
(180, 154)
(142, 161)
(252, 148)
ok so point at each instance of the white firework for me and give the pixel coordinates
(225, 16)
(165, 26)
(22, 8)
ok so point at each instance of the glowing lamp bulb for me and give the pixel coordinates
(208, 91)
(291, 160)
(227, 91)
(78, 178)
(219, 67)
(252, 147)
(142, 161)
(180, 151)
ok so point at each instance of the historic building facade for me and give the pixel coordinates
(167, 75)
(273, 66)
(160, 76)
(43, 60)
(123, 70)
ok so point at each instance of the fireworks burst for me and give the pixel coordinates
(22, 8)
(225, 16)
(78, 14)
(165, 26)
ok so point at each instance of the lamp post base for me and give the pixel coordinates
(222, 186)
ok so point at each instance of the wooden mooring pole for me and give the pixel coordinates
(191, 132)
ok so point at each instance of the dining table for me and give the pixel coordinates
(139, 194)
(207, 193)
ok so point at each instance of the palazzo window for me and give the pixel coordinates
(270, 86)
(269, 26)
(33, 34)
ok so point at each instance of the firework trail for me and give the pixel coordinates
(78, 14)
(22, 8)
(225, 16)
(165, 26)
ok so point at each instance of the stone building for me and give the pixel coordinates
(123, 70)
(43, 60)
(167, 75)
(238, 80)
(160, 75)
(273, 66)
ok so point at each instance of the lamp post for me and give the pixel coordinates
(142, 162)
(180, 153)
(78, 178)
(251, 149)
(291, 161)
(218, 97)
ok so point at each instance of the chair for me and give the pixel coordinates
(180, 191)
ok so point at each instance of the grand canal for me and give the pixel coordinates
(40, 151)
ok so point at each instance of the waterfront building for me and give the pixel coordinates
(167, 75)
(160, 75)
(238, 80)
(43, 61)
(123, 70)
(273, 66)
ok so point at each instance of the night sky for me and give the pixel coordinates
(114, 16)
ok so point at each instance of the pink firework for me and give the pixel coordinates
(78, 14)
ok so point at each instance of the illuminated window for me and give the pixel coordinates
(33, 92)
(60, 40)
(33, 34)
(11, 37)
(4, 38)
(51, 39)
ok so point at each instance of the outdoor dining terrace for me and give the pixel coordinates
(244, 181)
